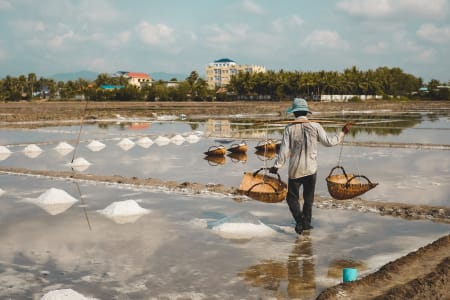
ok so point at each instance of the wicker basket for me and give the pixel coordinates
(346, 186)
(268, 145)
(216, 151)
(263, 188)
(238, 148)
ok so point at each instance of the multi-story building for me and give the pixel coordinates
(219, 72)
(136, 78)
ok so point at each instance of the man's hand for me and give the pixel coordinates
(346, 127)
(273, 170)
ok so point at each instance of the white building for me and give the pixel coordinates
(219, 72)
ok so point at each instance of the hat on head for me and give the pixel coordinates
(299, 104)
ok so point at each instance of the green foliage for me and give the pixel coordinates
(391, 83)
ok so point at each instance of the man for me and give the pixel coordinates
(299, 145)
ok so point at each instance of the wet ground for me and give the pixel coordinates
(206, 244)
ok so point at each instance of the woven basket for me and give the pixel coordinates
(346, 186)
(263, 188)
(268, 145)
(238, 148)
(216, 150)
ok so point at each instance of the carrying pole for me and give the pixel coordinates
(79, 132)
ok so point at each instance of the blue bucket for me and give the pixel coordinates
(349, 274)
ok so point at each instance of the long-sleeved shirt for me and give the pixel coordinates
(299, 145)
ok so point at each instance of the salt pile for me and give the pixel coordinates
(1, 192)
(32, 151)
(64, 294)
(4, 150)
(79, 164)
(241, 226)
(4, 153)
(177, 139)
(192, 138)
(54, 201)
(95, 146)
(32, 148)
(162, 141)
(144, 142)
(127, 211)
(64, 148)
(126, 144)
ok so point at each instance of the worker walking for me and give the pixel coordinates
(299, 146)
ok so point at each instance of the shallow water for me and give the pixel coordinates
(174, 252)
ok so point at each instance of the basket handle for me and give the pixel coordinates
(214, 147)
(251, 188)
(263, 168)
(357, 176)
(343, 171)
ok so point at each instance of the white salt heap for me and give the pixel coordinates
(162, 140)
(4, 153)
(95, 146)
(32, 151)
(126, 211)
(79, 164)
(64, 148)
(144, 142)
(1, 192)
(64, 294)
(126, 144)
(177, 139)
(54, 201)
(4, 150)
(32, 148)
(192, 138)
(241, 226)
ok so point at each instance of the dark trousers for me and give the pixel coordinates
(304, 216)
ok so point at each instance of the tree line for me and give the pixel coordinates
(384, 81)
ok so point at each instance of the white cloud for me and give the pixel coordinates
(325, 39)
(227, 34)
(376, 48)
(434, 34)
(5, 5)
(252, 7)
(157, 34)
(292, 22)
(59, 42)
(394, 8)
(30, 26)
(426, 56)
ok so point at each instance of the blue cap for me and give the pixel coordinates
(299, 104)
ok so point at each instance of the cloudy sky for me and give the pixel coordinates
(179, 36)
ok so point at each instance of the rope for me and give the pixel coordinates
(340, 152)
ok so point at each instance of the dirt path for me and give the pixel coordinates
(423, 274)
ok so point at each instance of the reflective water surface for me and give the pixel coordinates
(174, 252)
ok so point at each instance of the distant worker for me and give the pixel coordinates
(299, 145)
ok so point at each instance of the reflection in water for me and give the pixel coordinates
(218, 128)
(215, 160)
(238, 157)
(336, 266)
(265, 155)
(298, 272)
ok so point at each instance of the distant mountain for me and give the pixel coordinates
(86, 75)
(167, 76)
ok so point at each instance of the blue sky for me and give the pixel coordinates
(179, 36)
